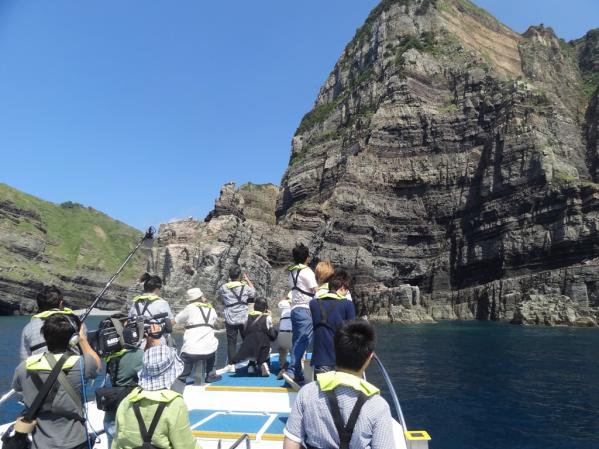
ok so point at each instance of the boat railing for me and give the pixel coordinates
(236, 444)
(415, 439)
(396, 404)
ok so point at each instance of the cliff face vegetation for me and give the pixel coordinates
(444, 152)
(71, 246)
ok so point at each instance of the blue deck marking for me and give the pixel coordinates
(242, 379)
(237, 422)
(196, 415)
(278, 424)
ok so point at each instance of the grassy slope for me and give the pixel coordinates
(78, 239)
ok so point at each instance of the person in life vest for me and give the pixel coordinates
(60, 423)
(153, 415)
(199, 342)
(50, 301)
(284, 336)
(323, 271)
(150, 305)
(330, 309)
(303, 286)
(235, 296)
(341, 410)
(121, 368)
(258, 334)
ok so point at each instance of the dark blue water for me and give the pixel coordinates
(479, 385)
(471, 385)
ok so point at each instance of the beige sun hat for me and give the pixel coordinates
(193, 294)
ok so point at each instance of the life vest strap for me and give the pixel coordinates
(147, 434)
(345, 431)
(324, 314)
(295, 279)
(238, 296)
(206, 318)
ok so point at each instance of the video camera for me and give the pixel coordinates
(119, 332)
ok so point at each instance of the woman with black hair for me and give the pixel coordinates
(258, 333)
(151, 306)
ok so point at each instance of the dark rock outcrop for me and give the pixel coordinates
(444, 152)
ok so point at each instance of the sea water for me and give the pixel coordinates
(471, 385)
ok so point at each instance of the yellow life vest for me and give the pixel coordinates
(49, 313)
(115, 355)
(202, 304)
(256, 313)
(146, 297)
(333, 379)
(299, 266)
(321, 294)
(234, 284)
(157, 396)
(38, 362)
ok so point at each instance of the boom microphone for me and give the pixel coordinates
(149, 235)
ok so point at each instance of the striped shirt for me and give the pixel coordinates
(311, 421)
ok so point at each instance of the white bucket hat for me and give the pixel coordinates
(193, 294)
(161, 367)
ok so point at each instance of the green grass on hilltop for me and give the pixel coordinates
(77, 238)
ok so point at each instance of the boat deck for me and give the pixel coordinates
(238, 404)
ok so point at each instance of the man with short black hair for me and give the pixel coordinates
(330, 309)
(60, 421)
(235, 295)
(342, 410)
(303, 285)
(50, 301)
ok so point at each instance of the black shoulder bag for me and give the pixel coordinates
(109, 398)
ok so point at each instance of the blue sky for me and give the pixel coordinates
(143, 109)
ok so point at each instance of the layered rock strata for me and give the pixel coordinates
(444, 152)
(68, 245)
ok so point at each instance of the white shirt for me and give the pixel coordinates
(199, 340)
(306, 281)
(285, 311)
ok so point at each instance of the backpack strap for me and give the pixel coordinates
(324, 314)
(295, 279)
(147, 434)
(346, 431)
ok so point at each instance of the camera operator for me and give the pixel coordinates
(60, 423)
(121, 368)
(150, 305)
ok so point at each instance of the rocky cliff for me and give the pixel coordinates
(71, 246)
(444, 152)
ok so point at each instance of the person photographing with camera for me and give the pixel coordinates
(152, 308)
(59, 422)
(123, 362)
(235, 296)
